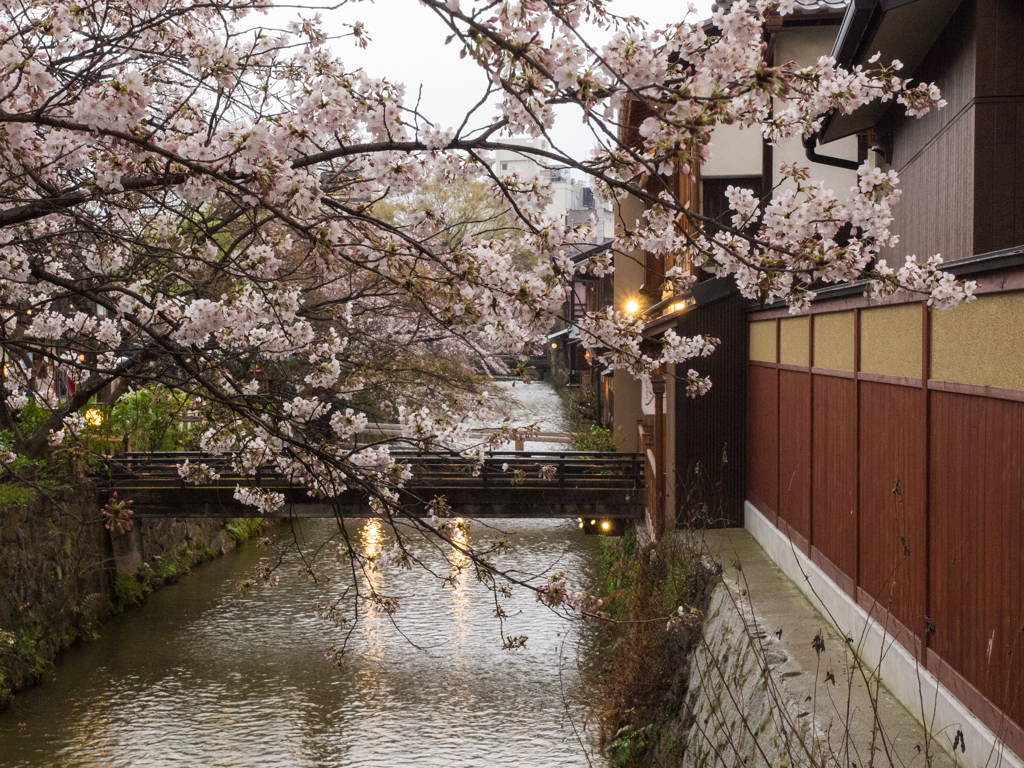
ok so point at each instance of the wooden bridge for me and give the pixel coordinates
(574, 484)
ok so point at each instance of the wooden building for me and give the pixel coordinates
(886, 439)
(699, 444)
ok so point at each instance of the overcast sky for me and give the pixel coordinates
(408, 47)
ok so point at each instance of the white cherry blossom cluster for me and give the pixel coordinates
(197, 474)
(266, 502)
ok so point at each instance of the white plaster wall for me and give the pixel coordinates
(629, 276)
(735, 151)
(804, 45)
(670, 446)
(525, 165)
(559, 200)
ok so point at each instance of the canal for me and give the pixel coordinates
(205, 675)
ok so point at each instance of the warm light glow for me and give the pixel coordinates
(554, 345)
(28, 311)
(460, 542)
(632, 307)
(372, 535)
(94, 416)
(604, 525)
(81, 358)
(593, 522)
(676, 307)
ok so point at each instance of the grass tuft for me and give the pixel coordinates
(11, 493)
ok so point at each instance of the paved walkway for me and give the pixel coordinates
(828, 686)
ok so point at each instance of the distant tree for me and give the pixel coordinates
(460, 210)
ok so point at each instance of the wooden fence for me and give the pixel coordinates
(908, 492)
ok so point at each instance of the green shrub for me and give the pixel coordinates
(31, 417)
(127, 591)
(642, 660)
(151, 417)
(594, 438)
(244, 528)
(165, 569)
(15, 494)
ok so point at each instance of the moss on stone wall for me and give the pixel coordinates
(62, 572)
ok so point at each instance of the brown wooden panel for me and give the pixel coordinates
(999, 68)
(795, 451)
(710, 430)
(763, 437)
(984, 171)
(999, 172)
(936, 212)
(835, 472)
(977, 502)
(951, 65)
(1018, 213)
(893, 545)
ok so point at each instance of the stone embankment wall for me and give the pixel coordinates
(62, 573)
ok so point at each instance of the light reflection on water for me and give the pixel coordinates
(205, 676)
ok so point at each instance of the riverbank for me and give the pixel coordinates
(63, 573)
(644, 679)
(757, 677)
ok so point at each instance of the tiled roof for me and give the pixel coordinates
(821, 5)
(804, 6)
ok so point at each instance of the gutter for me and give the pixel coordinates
(810, 147)
(856, 29)
(859, 26)
(702, 294)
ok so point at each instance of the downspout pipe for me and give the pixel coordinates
(811, 145)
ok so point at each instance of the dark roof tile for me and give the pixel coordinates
(802, 6)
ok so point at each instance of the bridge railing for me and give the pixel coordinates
(499, 469)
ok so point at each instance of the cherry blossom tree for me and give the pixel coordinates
(187, 193)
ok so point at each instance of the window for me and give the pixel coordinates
(504, 166)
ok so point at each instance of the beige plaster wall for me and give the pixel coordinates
(834, 341)
(804, 45)
(629, 276)
(890, 340)
(735, 151)
(762, 341)
(980, 343)
(670, 446)
(795, 341)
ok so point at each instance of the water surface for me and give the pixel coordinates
(204, 675)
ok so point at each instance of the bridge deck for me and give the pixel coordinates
(509, 484)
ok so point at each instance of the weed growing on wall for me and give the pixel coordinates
(642, 683)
